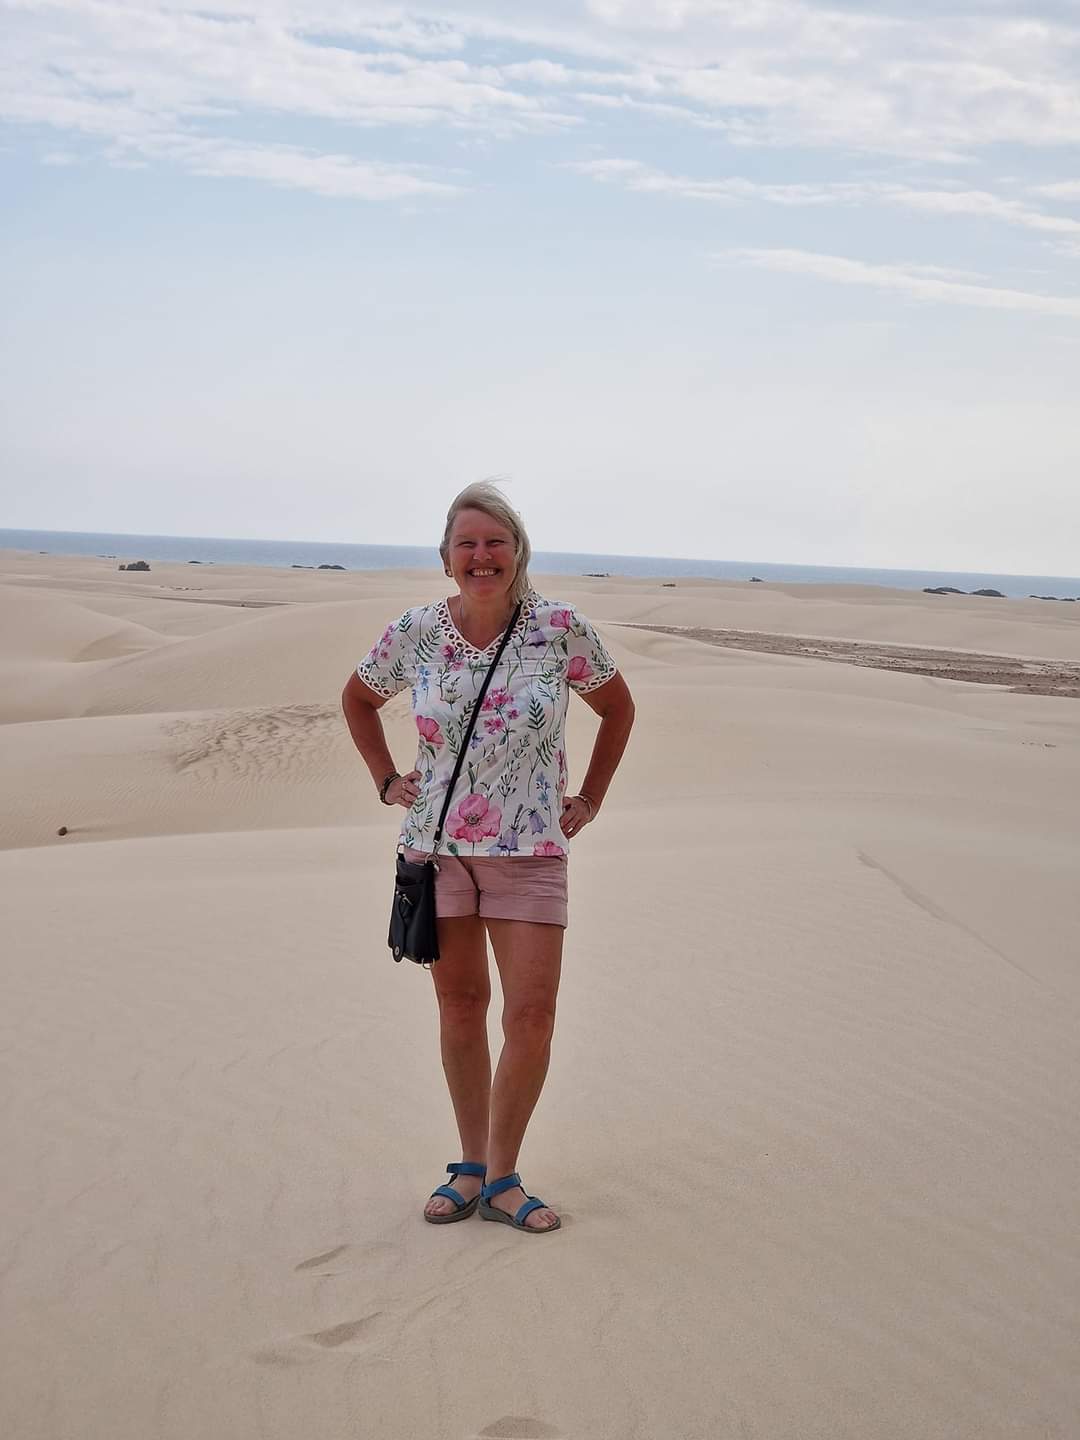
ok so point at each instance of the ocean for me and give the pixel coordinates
(286, 553)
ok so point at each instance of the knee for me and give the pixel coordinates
(530, 1023)
(463, 1010)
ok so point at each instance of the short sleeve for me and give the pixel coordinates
(589, 663)
(390, 665)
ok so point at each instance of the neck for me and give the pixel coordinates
(482, 622)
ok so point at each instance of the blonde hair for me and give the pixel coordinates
(484, 495)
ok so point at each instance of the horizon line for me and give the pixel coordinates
(582, 554)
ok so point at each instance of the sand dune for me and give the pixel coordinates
(38, 626)
(812, 1117)
(851, 612)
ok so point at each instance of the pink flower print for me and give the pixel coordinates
(579, 669)
(513, 714)
(549, 848)
(562, 619)
(381, 649)
(429, 731)
(494, 723)
(451, 656)
(473, 818)
(496, 699)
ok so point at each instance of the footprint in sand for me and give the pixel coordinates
(519, 1427)
(302, 1349)
(342, 1334)
(343, 1259)
(324, 1259)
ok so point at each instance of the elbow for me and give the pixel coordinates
(357, 699)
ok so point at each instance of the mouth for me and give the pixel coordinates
(483, 573)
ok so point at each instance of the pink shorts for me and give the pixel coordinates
(512, 887)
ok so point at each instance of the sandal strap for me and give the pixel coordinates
(531, 1204)
(505, 1182)
(467, 1167)
(451, 1194)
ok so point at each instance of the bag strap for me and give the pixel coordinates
(467, 736)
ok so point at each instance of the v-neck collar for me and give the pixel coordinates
(448, 623)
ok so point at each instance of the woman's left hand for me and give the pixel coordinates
(577, 811)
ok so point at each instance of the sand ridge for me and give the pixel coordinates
(1024, 676)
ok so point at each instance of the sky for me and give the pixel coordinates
(763, 279)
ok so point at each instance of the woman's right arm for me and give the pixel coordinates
(361, 706)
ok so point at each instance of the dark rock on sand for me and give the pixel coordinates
(942, 590)
(994, 594)
(135, 565)
(331, 567)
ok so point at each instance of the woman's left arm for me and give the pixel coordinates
(614, 704)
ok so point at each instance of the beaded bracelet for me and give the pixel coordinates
(386, 786)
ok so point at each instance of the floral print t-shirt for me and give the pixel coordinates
(508, 797)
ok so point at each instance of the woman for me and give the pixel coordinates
(502, 865)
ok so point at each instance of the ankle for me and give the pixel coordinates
(499, 1173)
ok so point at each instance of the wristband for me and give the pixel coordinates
(386, 786)
(591, 805)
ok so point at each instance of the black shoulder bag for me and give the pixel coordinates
(413, 932)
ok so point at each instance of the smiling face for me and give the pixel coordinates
(482, 556)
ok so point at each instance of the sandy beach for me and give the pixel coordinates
(813, 1118)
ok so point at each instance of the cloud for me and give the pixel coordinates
(920, 282)
(288, 167)
(808, 73)
(139, 74)
(636, 176)
(801, 74)
(793, 75)
(981, 203)
(1060, 190)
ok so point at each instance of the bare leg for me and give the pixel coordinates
(463, 989)
(529, 957)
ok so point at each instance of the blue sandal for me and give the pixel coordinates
(517, 1220)
(463, 1208)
